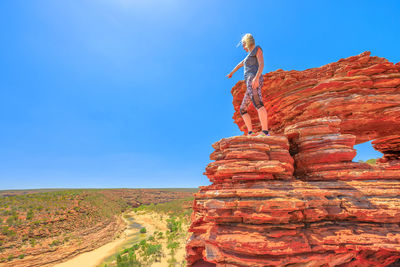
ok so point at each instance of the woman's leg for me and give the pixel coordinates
(247, 121)
(263, 116)
(243, 111)
(258, 103)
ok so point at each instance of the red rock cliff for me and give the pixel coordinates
(296, 198)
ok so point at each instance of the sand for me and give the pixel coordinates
(96, 256)
(153, 222)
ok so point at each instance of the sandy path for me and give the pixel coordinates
(96, 256)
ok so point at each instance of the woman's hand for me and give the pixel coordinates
(229, 75)
(255, 83)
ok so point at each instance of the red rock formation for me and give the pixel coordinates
(363, 91)
(390, 147)
(296, 198)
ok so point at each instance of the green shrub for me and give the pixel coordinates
(143, 243)
(143, 230)
(29, 215)
(174, 225)
(173, 245)
(119, 259)
(7, 232)
(55, 243)
(32, 241)
(153, 249)
(4, 230)
(10, 221)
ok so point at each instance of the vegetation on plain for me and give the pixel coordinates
(149, 249)
(54, 218)
(370, 161)
(27, 219)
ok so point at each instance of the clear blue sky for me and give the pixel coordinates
(129, 93)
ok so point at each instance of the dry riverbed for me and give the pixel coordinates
(106, 255)
(96, 256)
(156, 223)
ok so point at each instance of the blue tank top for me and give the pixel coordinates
(251, 63)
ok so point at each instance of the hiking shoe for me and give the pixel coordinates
(251, 133)
(264, 133)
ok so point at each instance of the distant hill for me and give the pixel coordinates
(14, 192)
(370, 161)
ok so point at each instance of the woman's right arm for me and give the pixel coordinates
(235, 69)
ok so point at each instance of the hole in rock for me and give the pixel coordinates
(366, 153)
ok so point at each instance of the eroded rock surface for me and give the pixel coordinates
(296, 198)
(363, 91)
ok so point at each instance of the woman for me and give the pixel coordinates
(253, 66)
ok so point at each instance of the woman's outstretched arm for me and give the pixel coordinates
(235, 69)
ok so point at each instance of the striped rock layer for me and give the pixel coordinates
(296, 198)
(363, 91)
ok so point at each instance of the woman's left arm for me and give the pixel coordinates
(260, 59)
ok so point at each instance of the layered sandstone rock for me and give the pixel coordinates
(363, 91)
(241, 158)
(296, 198)
(390, 147)
(284, 223)
(321, 152)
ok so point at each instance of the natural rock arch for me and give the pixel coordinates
(296, 198)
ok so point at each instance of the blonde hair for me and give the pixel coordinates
(247, 39)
